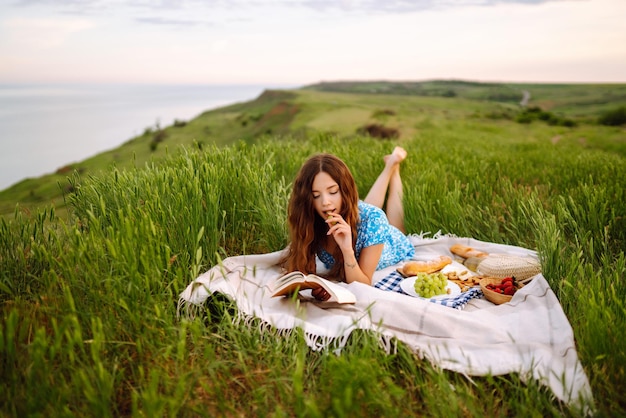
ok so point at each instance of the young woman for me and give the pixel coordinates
(352, 238)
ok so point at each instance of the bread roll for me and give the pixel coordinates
(466, 252)
(411, 268)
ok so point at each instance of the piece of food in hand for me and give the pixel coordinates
(329, 217)
(412, 268)
(467, 252)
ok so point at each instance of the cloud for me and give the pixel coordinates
(44, 32)
(403, 6)
(389, 6)
(298, 41)
(170, 22)
(180, 14)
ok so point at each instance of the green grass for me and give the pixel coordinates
(89, 321)
(88, 290)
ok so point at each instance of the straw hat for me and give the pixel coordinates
(502, 265)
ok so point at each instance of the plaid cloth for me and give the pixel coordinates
(392, 281)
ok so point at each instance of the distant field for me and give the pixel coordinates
(571, 99)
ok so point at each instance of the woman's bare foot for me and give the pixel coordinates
(400, 153)
(396, 157)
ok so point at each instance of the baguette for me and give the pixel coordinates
(467, 252)
(411, 268)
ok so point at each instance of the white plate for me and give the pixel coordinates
(408, 286)
(459, 269)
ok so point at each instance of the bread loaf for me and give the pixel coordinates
(411, 268)
(466, 252)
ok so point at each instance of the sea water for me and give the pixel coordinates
(45, 127)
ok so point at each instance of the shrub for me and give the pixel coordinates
(615, 117)
(498, 114)
(379, 131)
(524, 117)
(65, 169)
(158, 137)
(536, 113)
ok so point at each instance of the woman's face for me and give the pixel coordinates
(326, 195)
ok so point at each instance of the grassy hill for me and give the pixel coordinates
(88, 297)
(388, 109)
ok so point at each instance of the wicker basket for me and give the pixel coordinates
(501, 266)
(492, 296)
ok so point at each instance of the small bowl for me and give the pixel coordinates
(492, 296)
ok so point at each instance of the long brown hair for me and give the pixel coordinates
(307, 230)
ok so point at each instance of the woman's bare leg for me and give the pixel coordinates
(395, 208)
(389, 180)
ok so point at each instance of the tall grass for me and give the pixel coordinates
(89, 323)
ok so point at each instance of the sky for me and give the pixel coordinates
(302, 42)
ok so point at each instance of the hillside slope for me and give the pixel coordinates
(388, 110)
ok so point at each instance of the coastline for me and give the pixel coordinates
(47, 126)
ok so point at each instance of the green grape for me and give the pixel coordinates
(429, 285)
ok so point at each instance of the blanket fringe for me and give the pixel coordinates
(423, 236)
(313, 341)
(189, 311)
(186, 309)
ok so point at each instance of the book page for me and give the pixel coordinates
(338, 293)
(294, 281)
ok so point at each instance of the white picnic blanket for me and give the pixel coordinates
(530, 335)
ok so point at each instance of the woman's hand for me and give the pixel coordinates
(360, 270)
(320, 294)
(341, 231)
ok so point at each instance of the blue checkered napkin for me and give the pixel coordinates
(392, 281)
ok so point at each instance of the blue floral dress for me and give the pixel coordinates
(373, 228)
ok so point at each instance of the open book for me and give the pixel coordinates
(295, 281)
